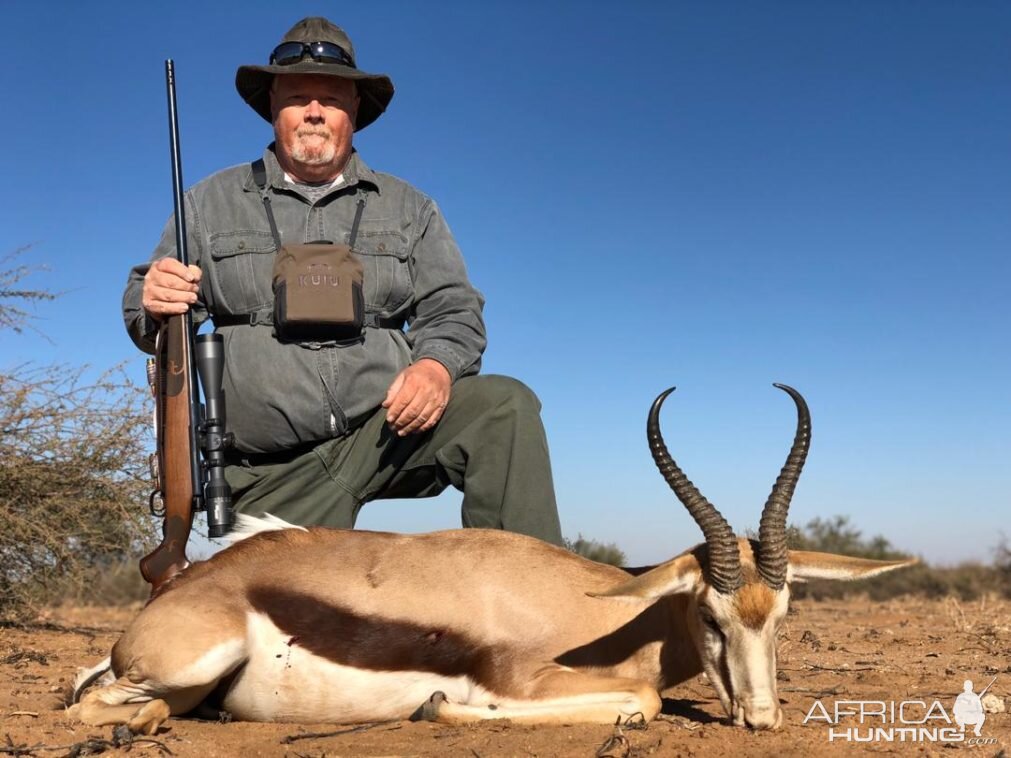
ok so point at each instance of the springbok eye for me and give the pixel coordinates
(709, 621)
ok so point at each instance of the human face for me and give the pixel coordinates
(314, 120)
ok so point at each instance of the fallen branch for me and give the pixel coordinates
(840, 669)
(25, 655)
(809, 691)
(319, 735)
(636, 721)
(90, 746)
(49, 626)
(616, 746)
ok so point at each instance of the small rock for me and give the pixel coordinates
(992, 703)
(811, 639)
(121, 735)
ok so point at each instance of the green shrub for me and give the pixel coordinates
(967, 581)
(73, 471)
(600, 552)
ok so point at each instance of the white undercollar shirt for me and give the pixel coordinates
(316, 191)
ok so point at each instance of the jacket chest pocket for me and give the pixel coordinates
(243, 266)
(387, 274)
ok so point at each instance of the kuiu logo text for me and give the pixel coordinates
(318, 275)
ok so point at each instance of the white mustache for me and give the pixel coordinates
(312, 132)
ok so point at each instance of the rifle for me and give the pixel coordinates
(987, 688)
(185, 481)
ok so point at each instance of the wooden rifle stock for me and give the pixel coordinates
(173, 387)
(179, 476)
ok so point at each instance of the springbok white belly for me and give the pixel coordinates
(282, 681)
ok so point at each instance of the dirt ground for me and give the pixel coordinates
(830, 651)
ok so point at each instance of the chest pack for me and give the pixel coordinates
(318, 286)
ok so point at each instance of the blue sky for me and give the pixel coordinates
(710, 195)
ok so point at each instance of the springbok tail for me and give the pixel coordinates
(101, 673)
(246, 526)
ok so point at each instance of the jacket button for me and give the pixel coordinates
(242, 245)
(382, 247)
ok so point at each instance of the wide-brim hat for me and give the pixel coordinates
(375, 90)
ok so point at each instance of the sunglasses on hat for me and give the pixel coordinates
(288, 53)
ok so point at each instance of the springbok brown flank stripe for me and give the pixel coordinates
(374, 643)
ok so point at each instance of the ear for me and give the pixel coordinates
(806, 565)
(682, 574)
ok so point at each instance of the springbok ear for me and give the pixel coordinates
(682, 574)
(806, 565)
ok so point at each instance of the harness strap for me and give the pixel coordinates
(260, 178)
(266, 318)
(354, 226)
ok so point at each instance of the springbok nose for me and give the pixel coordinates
(765, 719)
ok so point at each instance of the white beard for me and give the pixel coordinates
(310, 150)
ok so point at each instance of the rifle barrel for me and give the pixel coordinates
(183, 254)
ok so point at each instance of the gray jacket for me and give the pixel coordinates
(281, 395)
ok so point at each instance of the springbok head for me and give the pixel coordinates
(738, 589)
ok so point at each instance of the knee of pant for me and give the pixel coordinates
(504, 390)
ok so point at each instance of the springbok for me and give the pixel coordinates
(321, 625)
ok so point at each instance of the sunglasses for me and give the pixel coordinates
(288, 53)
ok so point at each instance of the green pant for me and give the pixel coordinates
(489, 443)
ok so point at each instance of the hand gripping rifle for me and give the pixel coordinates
(185, 480)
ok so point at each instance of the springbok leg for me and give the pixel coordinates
(558, 696)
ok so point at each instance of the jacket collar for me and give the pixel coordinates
(356, 171)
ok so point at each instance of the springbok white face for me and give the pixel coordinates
(736, 639)
(735, 633)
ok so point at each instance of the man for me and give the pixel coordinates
(323, 426)
(968, 708)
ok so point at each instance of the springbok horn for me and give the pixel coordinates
(724, 558)
(772, 555)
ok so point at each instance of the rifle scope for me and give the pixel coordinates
(210, 359)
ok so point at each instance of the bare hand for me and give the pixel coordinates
(418, 396)
(169, 288)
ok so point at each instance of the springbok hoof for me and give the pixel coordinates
(150, 717)
(429, 710)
